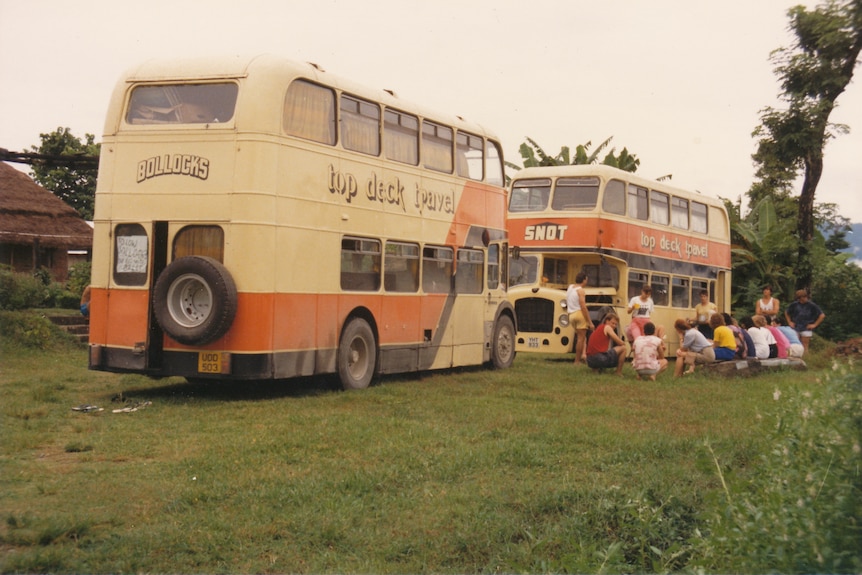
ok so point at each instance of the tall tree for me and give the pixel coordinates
(814, 72)
(74, 184)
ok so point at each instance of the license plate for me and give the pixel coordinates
(533, 342)
(212, 362)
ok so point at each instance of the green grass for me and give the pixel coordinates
(540, 468)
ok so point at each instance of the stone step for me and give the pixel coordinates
(79, 326)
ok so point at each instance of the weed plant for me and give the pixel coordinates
(539, 468)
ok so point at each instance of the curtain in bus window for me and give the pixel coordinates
(530, 195)
(679, 213)
(659, 204)
(360, 126)
(468, 156)
(638, 202)
(468, 275)
(205, 241)
(437, 147)
(698, 217)
(494, 158)
(614, 200)
(401, 137)
(309, 112)
(679, 293)
(437, 269)
(575, 193)
(401, 267)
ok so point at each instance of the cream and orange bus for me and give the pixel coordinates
(258, 218)
(624, 232)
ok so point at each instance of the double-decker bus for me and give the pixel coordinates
(258, 218)
(624, 232)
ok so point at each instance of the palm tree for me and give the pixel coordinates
(533, 155)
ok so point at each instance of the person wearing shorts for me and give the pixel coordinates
(601, 351)
(579, 316)
(804, 316)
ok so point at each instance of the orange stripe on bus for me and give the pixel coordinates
(266, 322)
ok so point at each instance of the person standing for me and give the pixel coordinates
(767, 305)
(579, 315)
(804, 316)
(649, 351)
(601, 351)
(693, 348)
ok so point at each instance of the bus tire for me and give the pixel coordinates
(194, 300)
(503, 344)
(357, 355)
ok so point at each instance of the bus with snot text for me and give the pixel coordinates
(258, 218)
(623, 232)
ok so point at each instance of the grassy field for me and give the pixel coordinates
(540, 468)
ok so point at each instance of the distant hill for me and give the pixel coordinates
(854, 238)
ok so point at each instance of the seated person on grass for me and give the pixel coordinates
(601, 353)
(723, 340)
(649, 351)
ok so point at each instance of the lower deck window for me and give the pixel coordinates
(360, 264)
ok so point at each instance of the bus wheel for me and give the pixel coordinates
(357, 355)
(194, 300)
(503, 344)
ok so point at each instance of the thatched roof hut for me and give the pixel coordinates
(37, 228)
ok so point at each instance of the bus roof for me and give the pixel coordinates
(281, 70)
(607, 173)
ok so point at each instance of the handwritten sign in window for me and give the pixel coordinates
(132, 254)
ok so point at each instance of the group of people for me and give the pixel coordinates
(710, 336)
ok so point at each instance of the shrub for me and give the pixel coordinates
(800, 509)
(79, 278)
(20, 291)
(32, 330)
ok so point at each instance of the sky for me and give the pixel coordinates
(679, 83)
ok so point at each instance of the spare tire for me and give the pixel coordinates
(194, 300)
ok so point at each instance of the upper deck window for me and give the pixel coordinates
(360, 125)
(614, 200)
(638, 202)
(437, 147)
(401, 137)
(182, 104)
(309, 112)
(576, 193)
(530, 195)
(698, 217)
(468, 156)
(659, 207)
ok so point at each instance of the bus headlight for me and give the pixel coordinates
(564, 319)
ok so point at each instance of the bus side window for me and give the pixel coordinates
(638, 202)
(660, 289)
(437, 269)
(637, 281)
(309, 112)
(575, 193)
(659, 205)
(494, 160)
(360, 264)
(468, 156)
(614, 199)
(468, 275)
(493, 266)
(437, 147)
(679, 213)
(401, 267)
(679, 293)
(360, 125)
(698, 218)
(401, 137)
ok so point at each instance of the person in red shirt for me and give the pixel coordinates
(601, 351)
